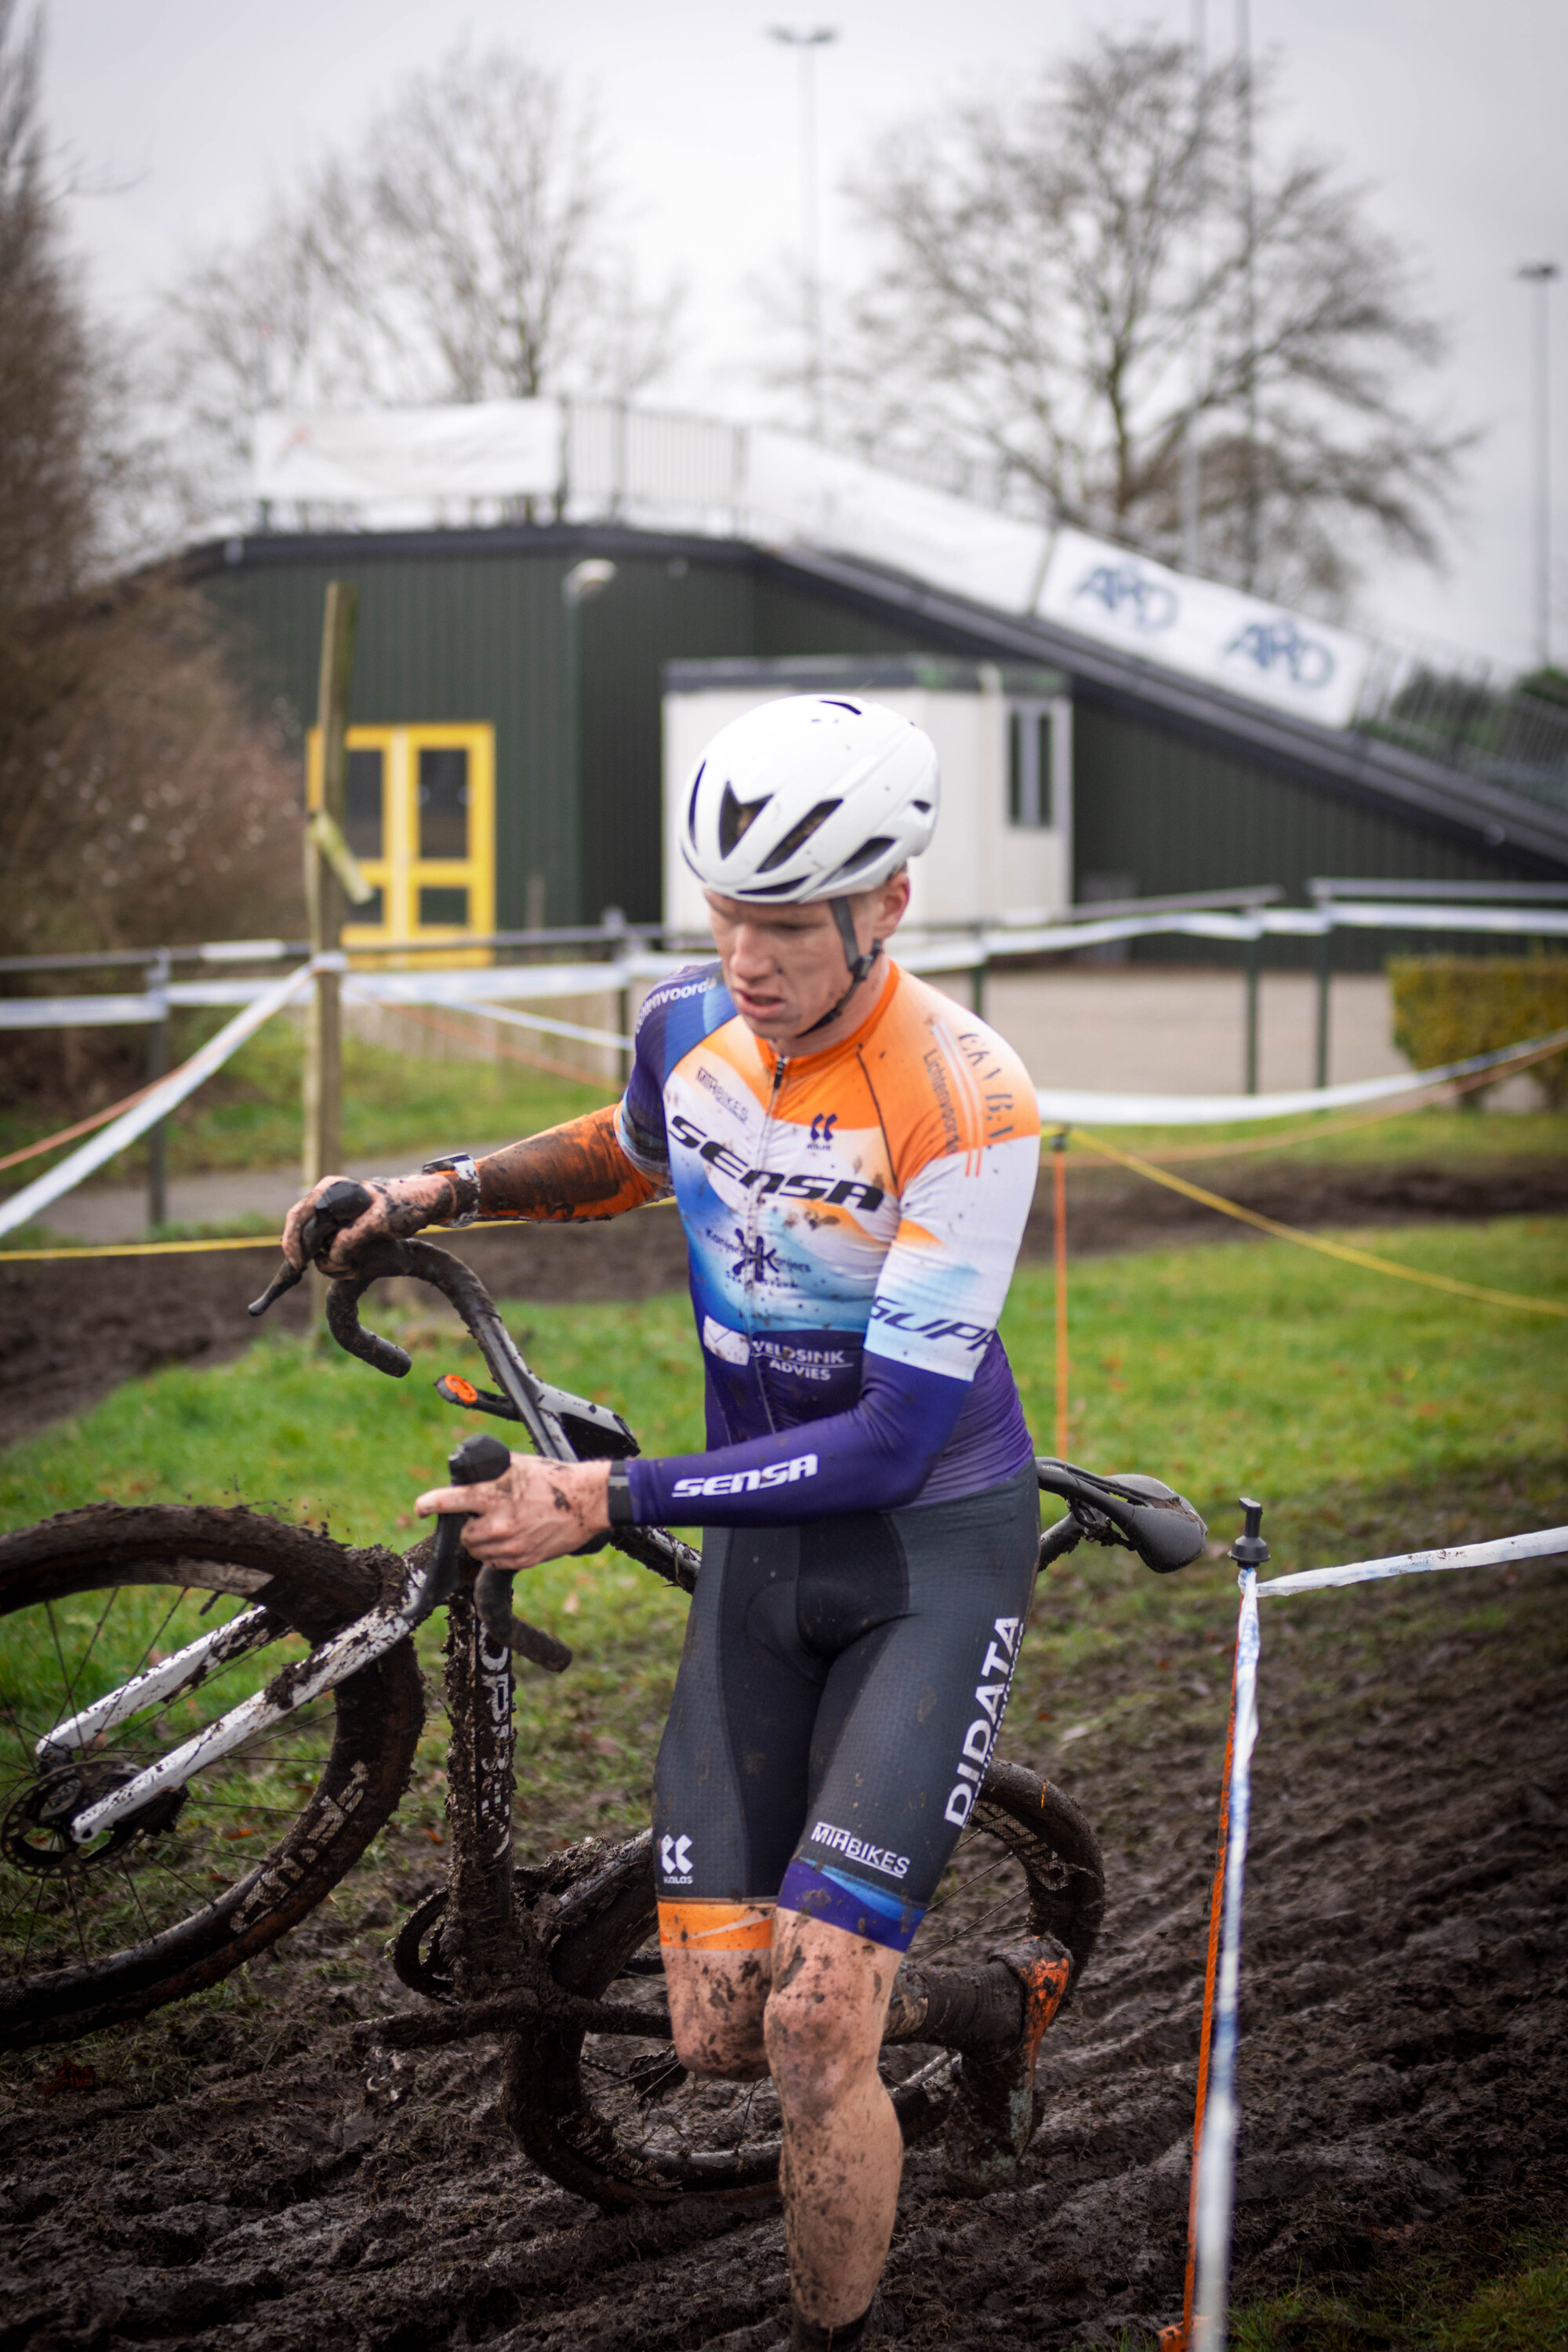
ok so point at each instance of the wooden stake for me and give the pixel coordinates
(324, 1073)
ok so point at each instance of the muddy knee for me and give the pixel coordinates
(716, 2012)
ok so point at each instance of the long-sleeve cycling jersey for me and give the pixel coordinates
(852, 1220)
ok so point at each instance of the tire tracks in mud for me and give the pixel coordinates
(1403, 2075)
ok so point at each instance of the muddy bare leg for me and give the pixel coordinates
(716, 2002)
(842, 2148)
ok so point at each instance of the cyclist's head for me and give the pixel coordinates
(815, 797)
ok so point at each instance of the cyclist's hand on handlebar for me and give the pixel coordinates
(538, 1511)
(400, 1206)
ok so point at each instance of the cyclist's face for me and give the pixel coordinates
(784, 966)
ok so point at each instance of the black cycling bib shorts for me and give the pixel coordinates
(840, 1690)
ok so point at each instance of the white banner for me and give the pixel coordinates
(1231, 640)
(798, 491)
(481, 449)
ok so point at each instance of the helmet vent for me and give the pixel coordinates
(866, 856)
(834, 704)
(735, 816)
(799, 834)
(691, 806)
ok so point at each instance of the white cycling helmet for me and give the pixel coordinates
(815, 796)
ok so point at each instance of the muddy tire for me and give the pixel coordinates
(88, 1599)
(616, 2119)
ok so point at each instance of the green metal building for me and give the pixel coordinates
(466, 644)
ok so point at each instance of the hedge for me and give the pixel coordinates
(1447, 1007)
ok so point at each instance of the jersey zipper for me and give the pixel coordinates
(754, 1220)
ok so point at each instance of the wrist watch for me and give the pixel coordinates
(618, 1497)
(460, 1166)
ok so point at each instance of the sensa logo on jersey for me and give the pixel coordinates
(861, 1199)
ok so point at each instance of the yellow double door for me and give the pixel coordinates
(420, 820)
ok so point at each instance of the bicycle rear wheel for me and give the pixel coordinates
(615, 2118)
(177, 1900)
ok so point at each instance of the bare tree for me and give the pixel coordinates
(139, 798)
(1045, 262)
(468, 249)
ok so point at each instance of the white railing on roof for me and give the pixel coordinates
(535, 461)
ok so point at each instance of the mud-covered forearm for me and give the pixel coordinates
(572, 1172)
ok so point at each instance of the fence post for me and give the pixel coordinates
(1254, 960)
(158, 1067)
(978, 974)
(324, 1071)
(1325, 977)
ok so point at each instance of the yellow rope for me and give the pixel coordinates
(135, 1249)
(247, 1240)
(1346, 1250)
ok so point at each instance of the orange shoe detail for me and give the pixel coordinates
(1045, 1984)
(716, 1927)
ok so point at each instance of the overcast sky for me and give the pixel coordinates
(183, 114)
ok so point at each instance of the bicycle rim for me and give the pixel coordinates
(616, 2119)
(144, 1917)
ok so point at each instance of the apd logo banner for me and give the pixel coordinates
(1211, 632)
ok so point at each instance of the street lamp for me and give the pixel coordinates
(805, 46)
(1540, 274)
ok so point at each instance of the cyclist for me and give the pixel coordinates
(853, 1156)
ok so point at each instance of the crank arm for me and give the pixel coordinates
(250, 1631)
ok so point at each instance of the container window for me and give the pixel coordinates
(1030, 766)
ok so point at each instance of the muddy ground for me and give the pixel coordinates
(235, 2178)
(72, 1330)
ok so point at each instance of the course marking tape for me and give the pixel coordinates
(1209, 2243)
(1421, 1563)
(158, 1100)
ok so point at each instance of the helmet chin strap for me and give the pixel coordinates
(858, 959)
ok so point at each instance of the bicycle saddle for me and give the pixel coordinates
(1150, 1518)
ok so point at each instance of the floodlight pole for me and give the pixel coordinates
(1540, 273)
(1192, 456)
(805, 46)
(1252, 507)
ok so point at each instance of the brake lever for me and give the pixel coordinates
(341, 1204)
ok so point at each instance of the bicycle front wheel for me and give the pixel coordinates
(208, 1876)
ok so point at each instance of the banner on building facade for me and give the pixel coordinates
(1228, 639)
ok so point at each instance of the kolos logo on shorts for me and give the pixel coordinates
(980, 1738)
(675, 1861)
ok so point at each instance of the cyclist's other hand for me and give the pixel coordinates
(400, 1206)
(536, 1512)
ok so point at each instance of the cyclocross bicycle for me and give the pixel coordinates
(177, 1682)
